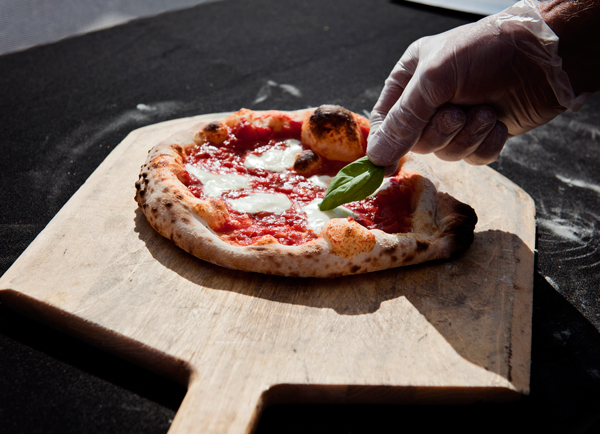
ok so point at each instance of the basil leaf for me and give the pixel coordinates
(354, 182)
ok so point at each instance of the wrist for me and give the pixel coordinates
(577, 25)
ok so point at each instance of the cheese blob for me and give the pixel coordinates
(215, 185)
(257, 202)
(275, 160)
(317, 218)
(384, 186)
(321, 180)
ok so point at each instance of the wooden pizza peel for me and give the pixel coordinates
(445, 332)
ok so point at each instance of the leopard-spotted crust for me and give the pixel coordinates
(442, 226)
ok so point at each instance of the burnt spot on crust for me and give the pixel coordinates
(333, 117)
(421, 246)
(389, 250)
(160, 163)
(464, 229)
(140, 185)
(168, 204)
(355, 269)
(409, 258)
(213, 127)
(462, 220)
(185, 220)
(214, 132)
(166, 190)
(307, 161)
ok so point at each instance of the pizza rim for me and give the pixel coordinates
(342, 248)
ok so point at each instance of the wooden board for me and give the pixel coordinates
(451, 332)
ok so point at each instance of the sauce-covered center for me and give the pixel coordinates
(255, 179)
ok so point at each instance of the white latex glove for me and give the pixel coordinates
(462, 93)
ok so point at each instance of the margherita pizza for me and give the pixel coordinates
(244, 192)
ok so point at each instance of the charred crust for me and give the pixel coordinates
(409, 258)
(355, 269)
(212, 127)
(462, 227)
(160, 163)
(307, 161)
(185, 220)
(168, 204)
(421, 246)
(332, 117)
(166, 190)
(389, 250)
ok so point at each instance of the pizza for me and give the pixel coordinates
(243, 193)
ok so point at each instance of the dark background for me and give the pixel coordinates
(65, 106)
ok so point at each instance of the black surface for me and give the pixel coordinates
(65, 106)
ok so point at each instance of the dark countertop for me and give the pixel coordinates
(65, 106)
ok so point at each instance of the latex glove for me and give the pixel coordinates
(461, 93)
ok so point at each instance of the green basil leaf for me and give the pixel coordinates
(354, 182)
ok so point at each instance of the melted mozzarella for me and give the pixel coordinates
(257, 202)
(384, 185)
(321, 180)
(275, 160)
(214, 185)
(317, 218)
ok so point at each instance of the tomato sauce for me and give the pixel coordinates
(390, 210)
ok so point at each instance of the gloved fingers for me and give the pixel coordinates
(480, 122)
(402, 127)
(394, 86)
(441, 129)
(490, 148)
(390, 94)
(382, 147)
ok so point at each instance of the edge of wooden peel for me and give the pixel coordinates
(258, 396)
(98, 336)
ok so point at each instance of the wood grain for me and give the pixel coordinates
(449, 331)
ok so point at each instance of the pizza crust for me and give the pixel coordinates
(442, 226)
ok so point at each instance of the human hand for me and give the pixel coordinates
(462, 93)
